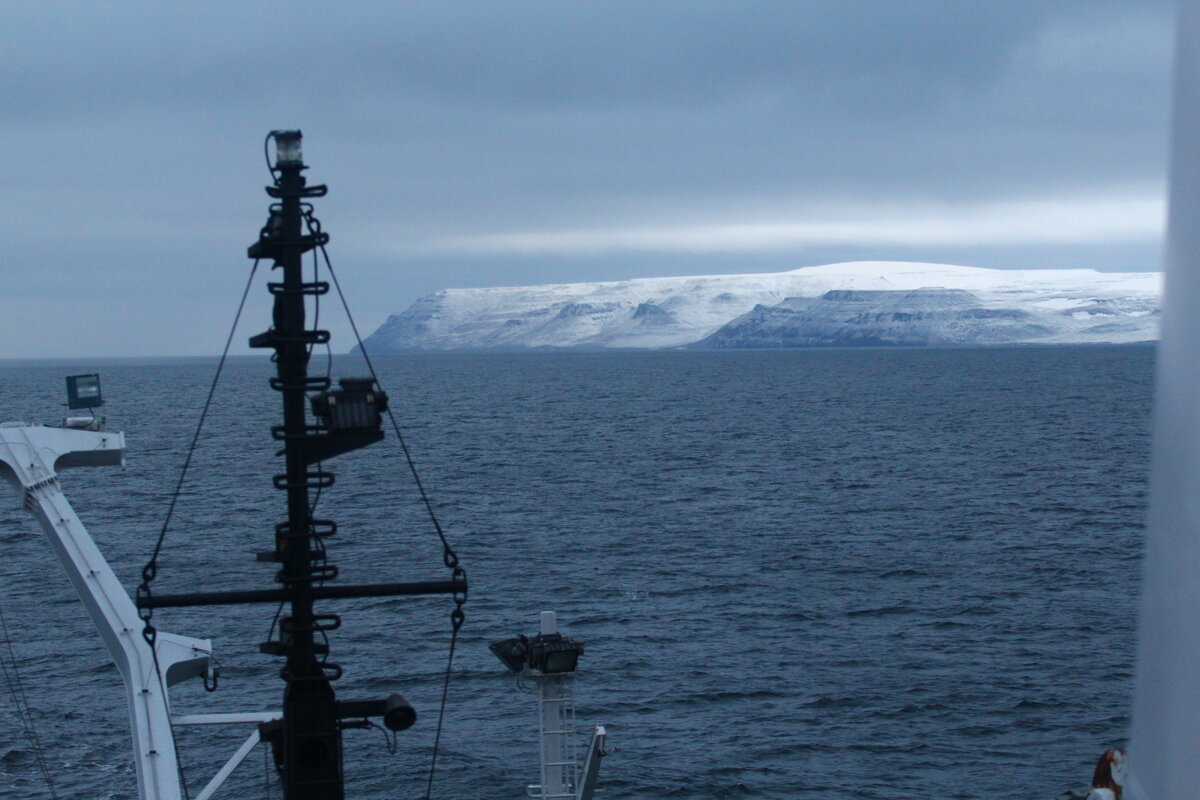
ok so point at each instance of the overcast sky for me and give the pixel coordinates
(487, 144)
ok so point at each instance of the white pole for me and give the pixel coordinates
(555, 745)
(554, 749)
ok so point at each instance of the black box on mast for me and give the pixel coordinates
(357, 406)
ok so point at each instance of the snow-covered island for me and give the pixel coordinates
(857, 303)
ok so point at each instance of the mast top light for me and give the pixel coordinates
(287, 148)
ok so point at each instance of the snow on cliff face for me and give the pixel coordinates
(869, 302)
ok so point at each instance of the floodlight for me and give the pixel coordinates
(547, 653)
(513, 652)
(83, 391)
(553, 653)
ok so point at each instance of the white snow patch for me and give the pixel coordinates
(604, 314)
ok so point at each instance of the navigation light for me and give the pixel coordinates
(287, 148)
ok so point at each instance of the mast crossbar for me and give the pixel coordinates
(242, 597)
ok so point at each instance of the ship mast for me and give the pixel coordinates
(307, 740)
(311, 745)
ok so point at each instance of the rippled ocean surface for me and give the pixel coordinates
(798, 574)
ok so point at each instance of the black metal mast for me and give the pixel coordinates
(307, 742)
(311, 745)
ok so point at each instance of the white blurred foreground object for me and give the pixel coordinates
(1165, 741)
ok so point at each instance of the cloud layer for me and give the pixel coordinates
(504, 143)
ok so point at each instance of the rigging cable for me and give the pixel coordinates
(17, 689)
(449, 556)
(267, 156)
(150, 570)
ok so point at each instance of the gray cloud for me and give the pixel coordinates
(133, 132)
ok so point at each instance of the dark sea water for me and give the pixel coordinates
(799, 574)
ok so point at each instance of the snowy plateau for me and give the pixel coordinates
(866, 303)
